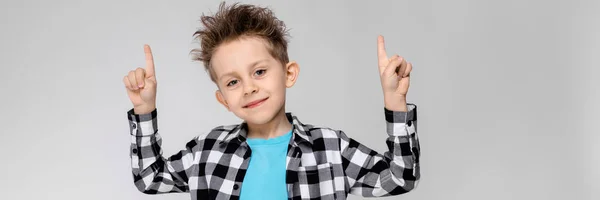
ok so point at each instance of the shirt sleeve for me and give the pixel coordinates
(370, 174)
(153, 173)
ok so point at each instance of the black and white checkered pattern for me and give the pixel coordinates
(322, 163)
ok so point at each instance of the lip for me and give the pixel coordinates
(255, 103)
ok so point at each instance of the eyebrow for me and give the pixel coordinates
(249, 66)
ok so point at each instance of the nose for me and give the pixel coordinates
(249, 88)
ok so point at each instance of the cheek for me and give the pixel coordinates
(278, 79)
(278, 89)
(275, 84)
(232, 98)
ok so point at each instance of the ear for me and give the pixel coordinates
(291, 73)
(221, 99)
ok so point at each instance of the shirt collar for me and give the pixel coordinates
(300, 132)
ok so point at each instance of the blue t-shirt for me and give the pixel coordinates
(265, 176)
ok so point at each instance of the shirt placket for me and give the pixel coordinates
(243, 149)
(292, 163)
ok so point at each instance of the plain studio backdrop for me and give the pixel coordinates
(507, 90)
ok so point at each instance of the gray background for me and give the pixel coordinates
(507, 90)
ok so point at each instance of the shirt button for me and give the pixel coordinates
(235, 187)
(133, 125)
(134, 151)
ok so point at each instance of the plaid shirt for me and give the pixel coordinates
(321, 162)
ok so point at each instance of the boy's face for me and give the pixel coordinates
(246, 73)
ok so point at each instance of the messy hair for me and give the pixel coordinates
(234, 22)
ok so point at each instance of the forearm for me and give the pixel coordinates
(395, 102)
(403, 145)
(152, 173)
(397, 170)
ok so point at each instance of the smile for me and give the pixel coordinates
(256, 104)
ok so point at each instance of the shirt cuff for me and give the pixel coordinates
(399, 123)
(400, 116)
(142, 124)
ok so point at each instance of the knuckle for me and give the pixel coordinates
(131, 78)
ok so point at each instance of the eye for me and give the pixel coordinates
(260, 72)
(231, 83)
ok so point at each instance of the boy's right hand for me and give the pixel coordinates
(141, 85)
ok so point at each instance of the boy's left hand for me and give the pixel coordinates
(395, 78)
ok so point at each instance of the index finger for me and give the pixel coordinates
(149, 61)
(381, 54)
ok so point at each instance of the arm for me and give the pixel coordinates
(370, 174)
(152, 173)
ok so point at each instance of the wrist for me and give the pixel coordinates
(143, 109)
(395, 103)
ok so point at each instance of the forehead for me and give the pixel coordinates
(239, 54)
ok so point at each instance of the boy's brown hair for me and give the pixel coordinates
(235, 22)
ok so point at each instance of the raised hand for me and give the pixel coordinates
(395, 77)
(141, 85)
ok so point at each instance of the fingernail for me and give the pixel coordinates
(140, 85)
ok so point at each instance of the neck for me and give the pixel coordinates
(277, 126)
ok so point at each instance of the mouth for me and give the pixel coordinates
(256, 103)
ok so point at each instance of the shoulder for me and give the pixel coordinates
(316, 132)
(216, 134)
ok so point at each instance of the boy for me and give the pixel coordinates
(271, 154)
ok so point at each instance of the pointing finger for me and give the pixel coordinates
(149, 61)
(381, 54)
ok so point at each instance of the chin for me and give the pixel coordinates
(262, 117)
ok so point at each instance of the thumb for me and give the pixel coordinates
(390, 69)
